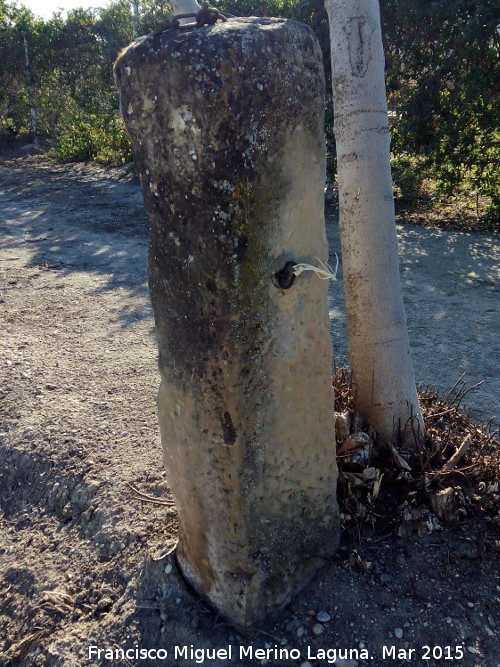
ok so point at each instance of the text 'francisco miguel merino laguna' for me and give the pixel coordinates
(202, 655)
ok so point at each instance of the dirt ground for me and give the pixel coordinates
(78, 425)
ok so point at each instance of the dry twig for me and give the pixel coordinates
(458, 455)
(169, 551)
(146, 498)
(21, 650)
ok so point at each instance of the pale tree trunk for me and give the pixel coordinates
(135, 8)
(31, 96)
(379, 350)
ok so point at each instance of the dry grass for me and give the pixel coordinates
(448, 424)
(456, 479)
(458, 213)
(342, 387)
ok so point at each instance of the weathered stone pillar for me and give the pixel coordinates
(227, 130)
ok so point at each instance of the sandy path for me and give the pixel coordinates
(86, 222)
(78, 422)
(451, 291)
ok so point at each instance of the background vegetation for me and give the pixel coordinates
(442, 60)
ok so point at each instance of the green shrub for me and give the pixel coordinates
(408, 174)
(92, 137)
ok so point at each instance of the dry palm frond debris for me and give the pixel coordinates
(20, 650)
(57, 601)
(455, 479)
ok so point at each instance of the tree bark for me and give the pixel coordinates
(379, 351)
